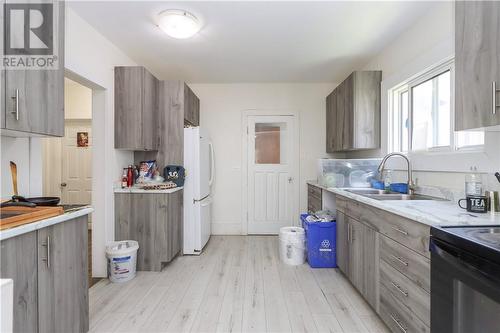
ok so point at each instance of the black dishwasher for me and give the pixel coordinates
(465, 279)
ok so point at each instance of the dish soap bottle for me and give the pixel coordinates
(387, 180)
(473, 183)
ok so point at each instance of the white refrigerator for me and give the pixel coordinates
(199, 165)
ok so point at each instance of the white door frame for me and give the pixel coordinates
(244, 161)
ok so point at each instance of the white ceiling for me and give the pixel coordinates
(255, 41)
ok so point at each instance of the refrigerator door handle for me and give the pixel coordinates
(206, 203)
(198, 200)
(212, 165)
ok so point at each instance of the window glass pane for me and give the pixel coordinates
(405, 123)
(473, 138)
(395, 122)
(431, 113)
(269, 141)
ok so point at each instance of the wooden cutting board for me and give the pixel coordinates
(11, 217)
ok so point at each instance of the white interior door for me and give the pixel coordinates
(76, 173)
(271, 173)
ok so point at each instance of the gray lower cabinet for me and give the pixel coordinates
(34, 99)
(477, 64)
(136, 109)
(50, 272)
(357, 246)
(370, 265)
(19, 263)
(385, 257)
(314, 198)
(191, 107)
(63, 301)
(356, 265)
(353, 113)
(342, 242)
(154, 220)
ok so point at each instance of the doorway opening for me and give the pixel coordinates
(67, 161)
(271, 161)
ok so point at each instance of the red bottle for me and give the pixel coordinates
(130, 176)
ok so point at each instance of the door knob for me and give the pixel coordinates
(290, 179)
(63, 184)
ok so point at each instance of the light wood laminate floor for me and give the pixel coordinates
(237, 285)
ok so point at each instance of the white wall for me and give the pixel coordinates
(77, 100)
(221, 108)
(25, 153)
(428, 42)
(92, 57)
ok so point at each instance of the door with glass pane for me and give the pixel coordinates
(270, 173)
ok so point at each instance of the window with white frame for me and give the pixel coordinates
(421, 114)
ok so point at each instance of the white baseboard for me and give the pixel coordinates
(221, 228)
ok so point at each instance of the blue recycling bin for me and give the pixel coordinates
(320, 243)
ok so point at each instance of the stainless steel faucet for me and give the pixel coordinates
(411, 185)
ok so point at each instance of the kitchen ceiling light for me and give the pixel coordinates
(178, 23)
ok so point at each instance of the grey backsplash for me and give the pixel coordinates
(447, 185)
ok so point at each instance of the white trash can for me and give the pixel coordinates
(122, 260)
(292, 245)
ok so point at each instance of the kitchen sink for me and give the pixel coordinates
(365, 191)
(383, 195)
(400, 196)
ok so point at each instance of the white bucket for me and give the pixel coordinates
(292, 245)
(122, 260)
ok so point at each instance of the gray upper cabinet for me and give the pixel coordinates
(33, 100)
(136, 109)
(191, 107)
(353, 113)
(477, 64)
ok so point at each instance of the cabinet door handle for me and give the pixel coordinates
(400, 231)
(348, 233)
(47, 245)
(399, 260)
(494, 97)
(398, 287)
(16, 110)
(401, 327)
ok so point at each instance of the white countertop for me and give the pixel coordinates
(140, 190)
(430, 212)
(22, 229)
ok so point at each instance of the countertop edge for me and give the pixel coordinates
(139, 190)
(427, 218)
(28, 227)
(315, 184)
(380, 205)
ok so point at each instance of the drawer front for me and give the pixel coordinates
(314, 191)
(398, 317)
(313, 204)
(348, 206)
(412, 234)
(413, 265)
(416, 299)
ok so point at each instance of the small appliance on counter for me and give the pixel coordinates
(347, 172)
(465, 279)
